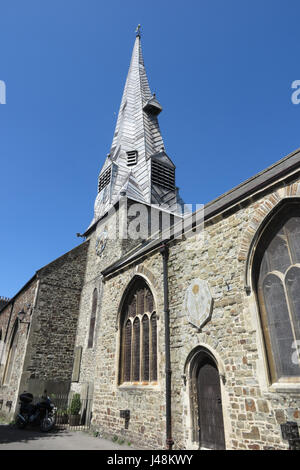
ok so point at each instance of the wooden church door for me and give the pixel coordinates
(211, 426)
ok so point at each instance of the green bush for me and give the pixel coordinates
(75, 404)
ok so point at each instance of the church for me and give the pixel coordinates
(181, 329)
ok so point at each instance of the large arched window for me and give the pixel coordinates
(93, 319)
(138, 352)
(277, 282)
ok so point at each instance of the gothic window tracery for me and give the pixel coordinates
(138, 352)
(277, 279)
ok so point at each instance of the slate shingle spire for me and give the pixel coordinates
(137, 163)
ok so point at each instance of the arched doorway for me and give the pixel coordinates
(206, 401)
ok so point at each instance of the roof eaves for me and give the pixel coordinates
(19, 292)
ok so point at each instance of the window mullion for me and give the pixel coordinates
(137, 327)
(150, 349)
(289, 307)
(141, 349)
(288, 244)
(131, 352)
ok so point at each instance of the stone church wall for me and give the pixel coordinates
(96, 262)
(59, 298)
(146, 403)
(253, 410)
(45, 349)
(108, 301)
(8, 321)
(50, 350)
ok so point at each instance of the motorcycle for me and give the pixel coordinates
(42, 414)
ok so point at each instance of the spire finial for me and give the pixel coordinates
(138, 31)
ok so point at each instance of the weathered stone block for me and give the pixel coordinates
(253, 434)
(250, 404)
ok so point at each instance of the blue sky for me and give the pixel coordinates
(221, 69)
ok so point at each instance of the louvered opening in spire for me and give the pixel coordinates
(132, 158)
(104, 179)
(162, 175)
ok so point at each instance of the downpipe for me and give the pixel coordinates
(164, 251)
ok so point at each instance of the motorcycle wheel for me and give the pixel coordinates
(47, 424)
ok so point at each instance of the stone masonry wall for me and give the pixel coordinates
(93, 280)
(8, 319)
(50, 350)
(253, 409)
(105, 347)
(145, 402)
(115, 248)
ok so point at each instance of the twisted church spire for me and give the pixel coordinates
(137, 164)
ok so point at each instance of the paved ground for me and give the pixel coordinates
(28, 439)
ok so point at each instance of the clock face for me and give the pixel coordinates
(101, 242)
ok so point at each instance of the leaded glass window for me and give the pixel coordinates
(138, 358)
(277, 278)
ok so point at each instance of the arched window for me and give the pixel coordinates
(138, 352)
(93, 319)
(277, 281)
(11, 355)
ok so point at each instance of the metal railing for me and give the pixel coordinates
(65, 417)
